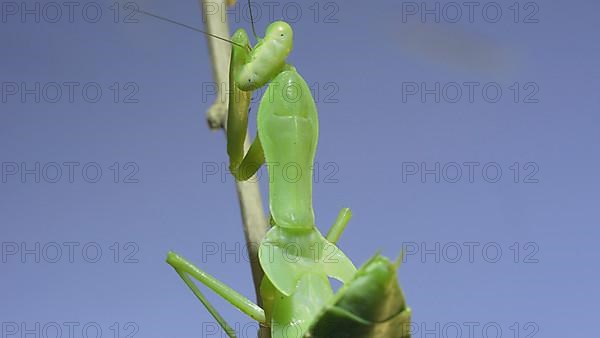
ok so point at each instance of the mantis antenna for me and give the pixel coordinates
(252, 20)
(189, 27)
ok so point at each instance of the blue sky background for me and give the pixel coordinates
(363, 57)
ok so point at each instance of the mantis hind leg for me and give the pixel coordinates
(340, 224)
(211, 309)
(185, 268)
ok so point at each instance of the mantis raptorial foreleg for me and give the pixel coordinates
(241, 166)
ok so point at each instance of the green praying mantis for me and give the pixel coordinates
(297, 296)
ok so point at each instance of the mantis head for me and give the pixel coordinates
(251, 67)
(266, 59)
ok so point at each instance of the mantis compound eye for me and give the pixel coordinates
(282, 32)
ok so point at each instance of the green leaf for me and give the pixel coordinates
(370, 305)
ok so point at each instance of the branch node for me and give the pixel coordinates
(216, 115)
